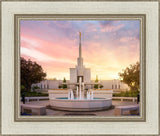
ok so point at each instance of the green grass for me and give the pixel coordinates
(34, 94)
(126, 94)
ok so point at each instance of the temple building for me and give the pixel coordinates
(80, 70)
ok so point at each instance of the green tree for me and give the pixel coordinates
(64, 80)
(131, 76)
(96, 86)
(64, 85)
(31, 72)
(96, 81)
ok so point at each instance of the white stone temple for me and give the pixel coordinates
(80, 70)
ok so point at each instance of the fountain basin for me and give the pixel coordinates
(81, 105)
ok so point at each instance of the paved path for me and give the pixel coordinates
(91, 113)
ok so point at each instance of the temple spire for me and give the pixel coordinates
(80, 50)
(80, 59)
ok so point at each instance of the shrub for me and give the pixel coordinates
(60, 86)
(34, 94)
(64, 86)
(22, 87)
(95, 86)
(101, 86)
(126, 94)
(35, 87)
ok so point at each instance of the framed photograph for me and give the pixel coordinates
(80, 68)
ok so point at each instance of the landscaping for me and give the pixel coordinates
(126, 94)
(34, 94)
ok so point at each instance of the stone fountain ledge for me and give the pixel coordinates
(80, 104)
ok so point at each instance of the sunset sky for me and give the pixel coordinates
(107, 46)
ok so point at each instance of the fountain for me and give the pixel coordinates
(79, 103)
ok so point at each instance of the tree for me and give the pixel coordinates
(64, 80)
(131, 76)
(64, 85)
(31, 72)
(96, 81)
(96, 86)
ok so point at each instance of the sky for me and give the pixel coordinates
(108, 46)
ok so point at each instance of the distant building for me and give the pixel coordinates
(115, 84)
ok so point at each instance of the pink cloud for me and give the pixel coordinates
(111, 28)
(128, 39)
(53, 50)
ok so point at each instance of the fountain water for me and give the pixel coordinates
(88, 96)
(77, 92)
(80, 90)
(92, 96)
(70, 95)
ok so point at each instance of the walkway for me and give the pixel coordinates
(93, 113)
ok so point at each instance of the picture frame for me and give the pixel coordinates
(13, 11)
(21, 17)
